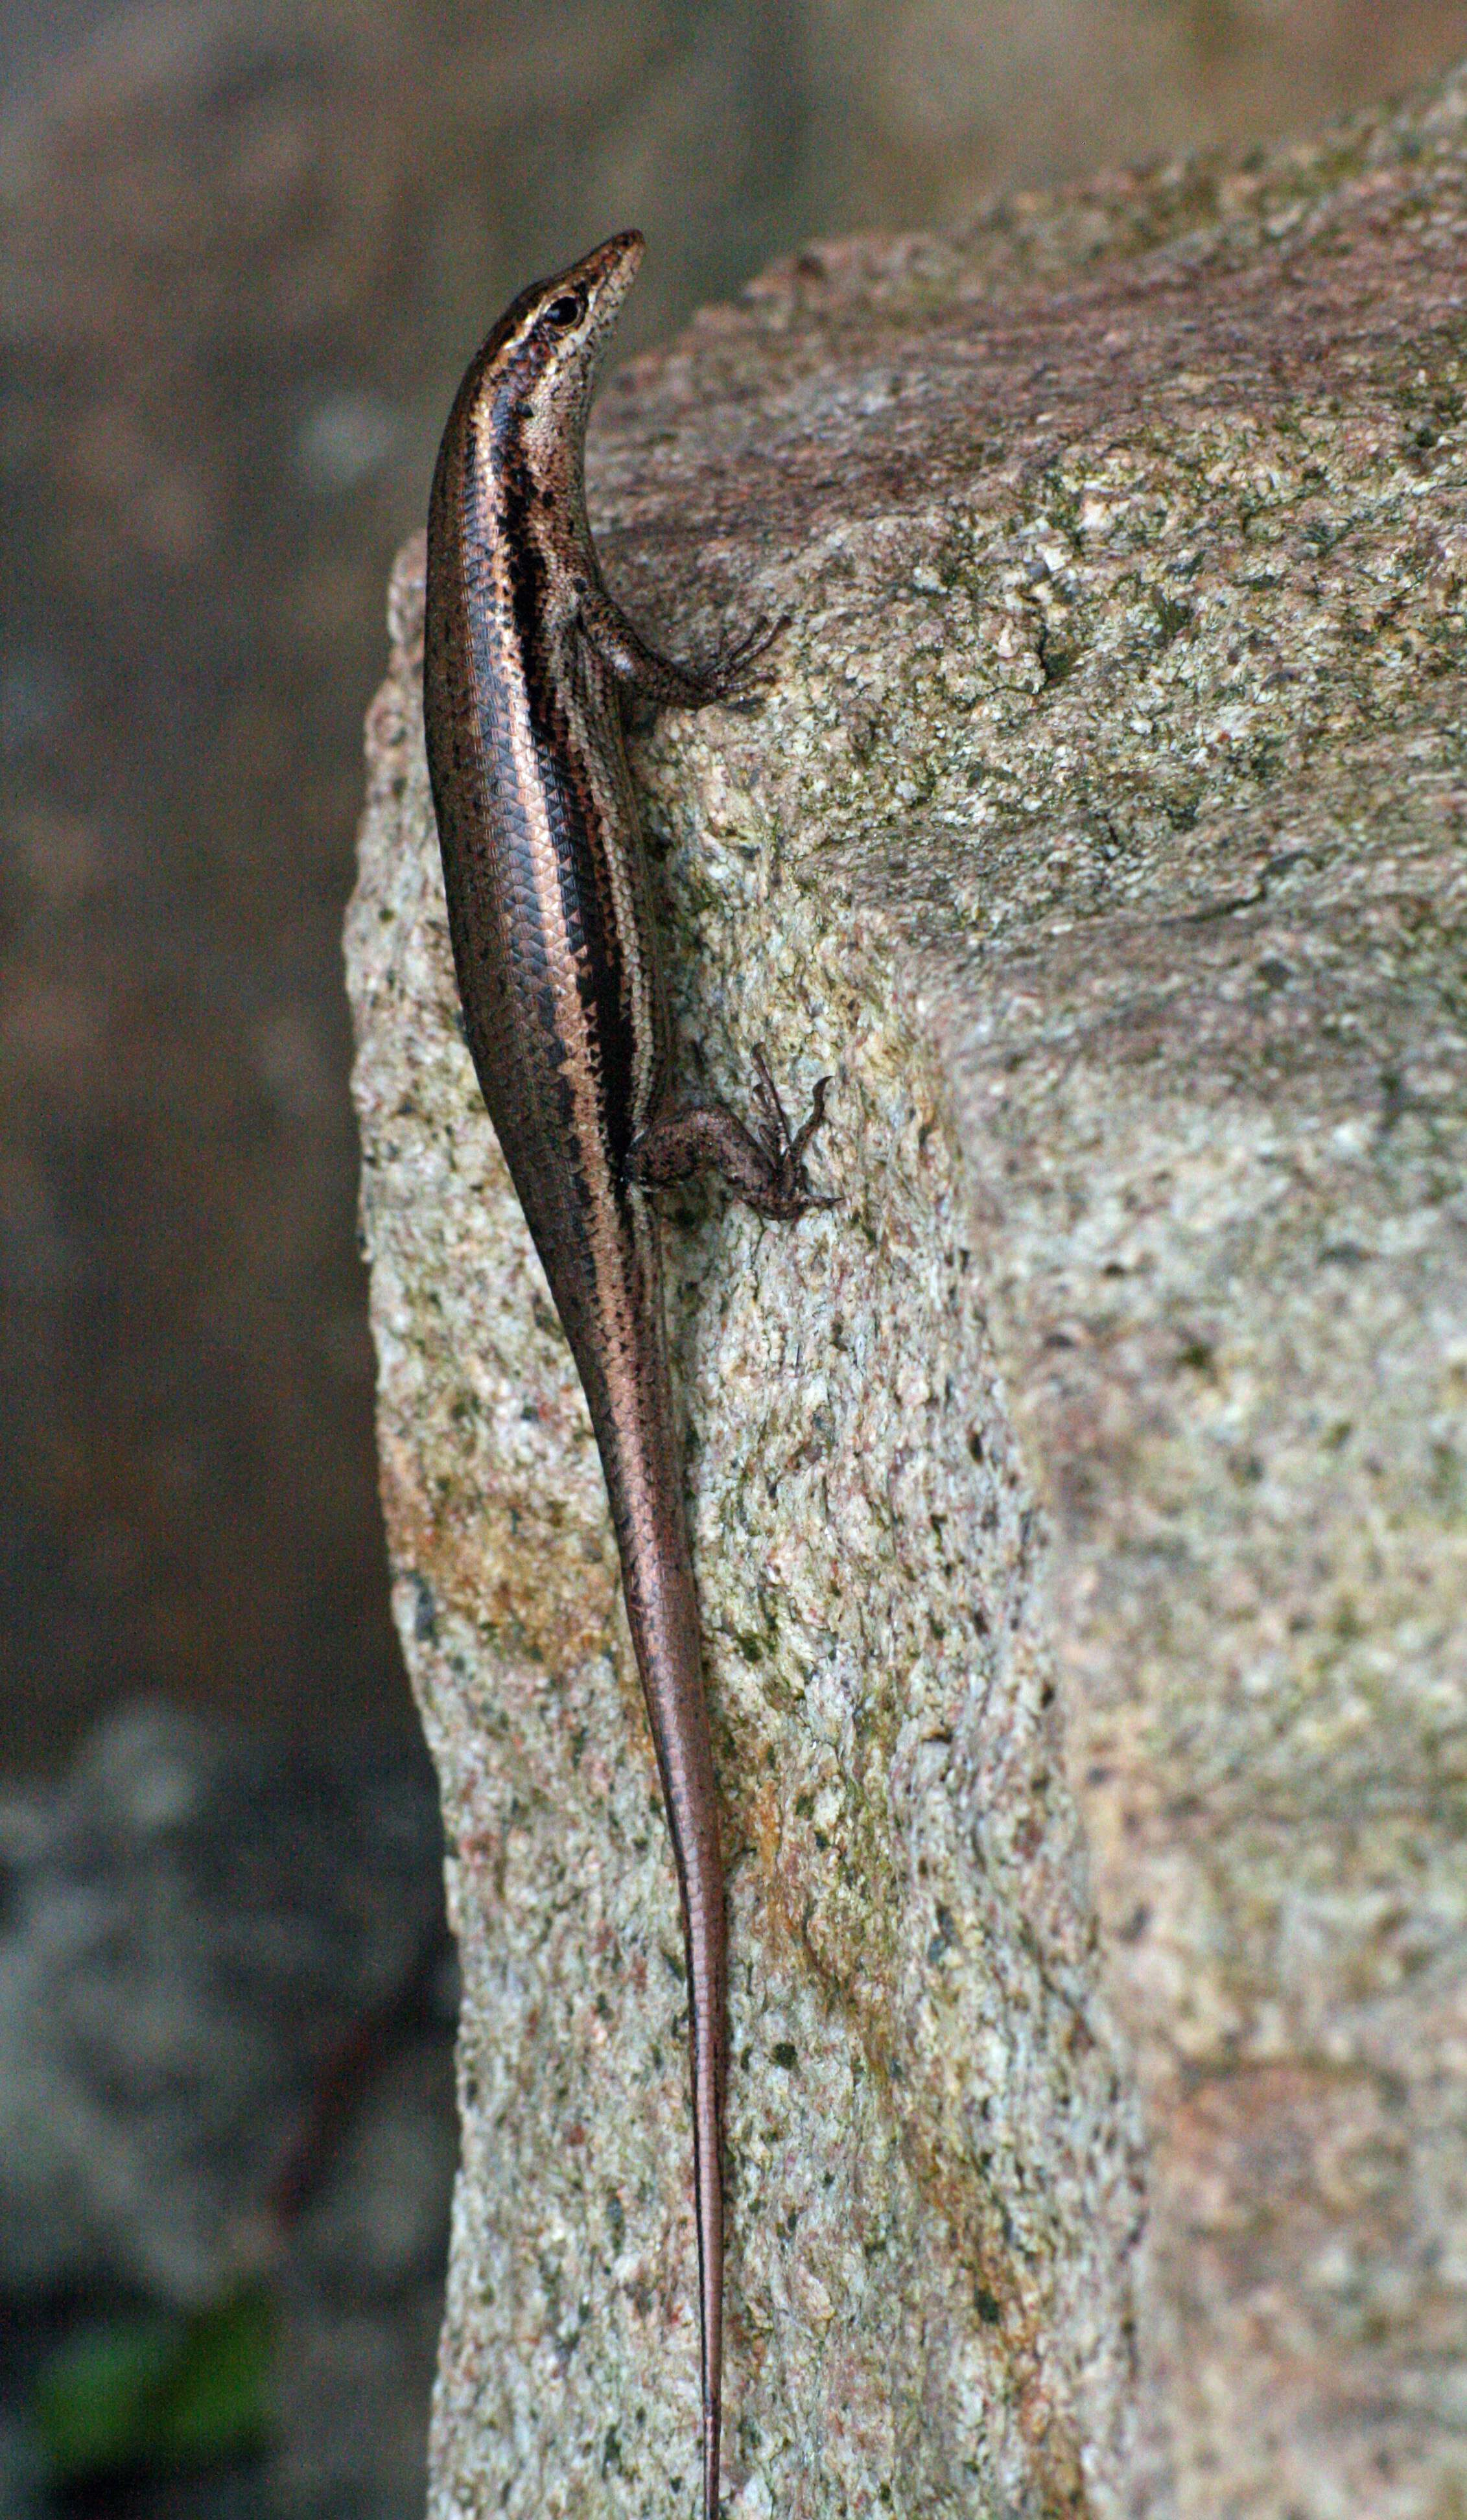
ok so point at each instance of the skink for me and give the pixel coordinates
(525, 659)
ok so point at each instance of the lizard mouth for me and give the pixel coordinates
(608, 271)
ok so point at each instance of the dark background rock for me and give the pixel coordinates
(227, 2005)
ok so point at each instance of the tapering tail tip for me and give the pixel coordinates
(710, 2463)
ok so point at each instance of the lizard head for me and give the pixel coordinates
(535, 371)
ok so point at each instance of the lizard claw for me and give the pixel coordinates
(732, 675)
(790, 1194)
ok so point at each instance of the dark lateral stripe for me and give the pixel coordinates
(586, 926)
(573, 1045)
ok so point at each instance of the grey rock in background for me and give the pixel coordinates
(1079, 1507)
(225, 2031)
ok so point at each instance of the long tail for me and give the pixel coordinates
(651, 1524)
(707, 2033)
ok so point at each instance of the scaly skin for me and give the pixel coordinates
(554, 943)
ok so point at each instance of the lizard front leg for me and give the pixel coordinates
(640, 667)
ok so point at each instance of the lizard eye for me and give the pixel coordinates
(566, 310)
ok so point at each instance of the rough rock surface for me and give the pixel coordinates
(1079, 1507)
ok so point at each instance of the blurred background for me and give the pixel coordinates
(247, 251)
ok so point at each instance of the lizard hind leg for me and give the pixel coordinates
(764, 1166)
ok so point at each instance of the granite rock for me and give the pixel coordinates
(1079, 1505)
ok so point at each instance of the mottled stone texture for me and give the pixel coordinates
(1081, 1505)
